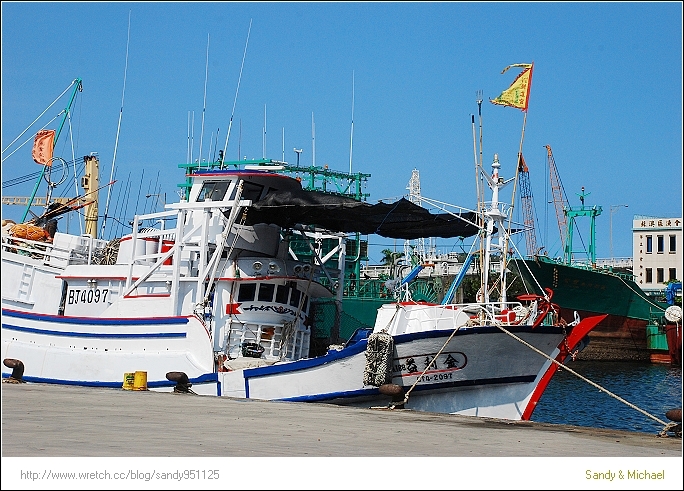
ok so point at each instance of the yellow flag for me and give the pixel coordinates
(43, 146)
(518, 94)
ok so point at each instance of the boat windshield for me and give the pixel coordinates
(213, 190)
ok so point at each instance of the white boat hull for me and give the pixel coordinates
(98, 351)
(480, 372)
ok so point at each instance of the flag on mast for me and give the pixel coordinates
(43, 145)
(518, 94)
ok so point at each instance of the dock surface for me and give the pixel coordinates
(41, 420)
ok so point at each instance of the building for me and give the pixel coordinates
(657, 251)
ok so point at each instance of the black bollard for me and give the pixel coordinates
(17, 367)
(182, 382)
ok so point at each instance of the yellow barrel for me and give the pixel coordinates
(140, 381)
(128, 381)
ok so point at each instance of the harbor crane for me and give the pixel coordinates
(559, 200)
(527, 206)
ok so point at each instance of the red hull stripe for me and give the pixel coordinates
(578, 332)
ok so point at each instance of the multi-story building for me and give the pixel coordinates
(657, 251)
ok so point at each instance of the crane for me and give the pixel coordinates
(559, 200)
(527, 206)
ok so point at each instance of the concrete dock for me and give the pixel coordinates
(40, 420)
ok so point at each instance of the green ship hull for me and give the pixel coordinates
(590, 290)
(623, 334)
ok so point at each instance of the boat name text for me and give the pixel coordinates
(89, 295)
(444, 364)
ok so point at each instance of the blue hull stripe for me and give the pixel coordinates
(98, 335)
(360, 346)
(353, 394)
(100, 321)
(354, 349)
(207, 378)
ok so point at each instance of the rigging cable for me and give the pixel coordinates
(118, 130)
(230, 123)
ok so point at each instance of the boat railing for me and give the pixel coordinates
(490, 313)
(65, 250)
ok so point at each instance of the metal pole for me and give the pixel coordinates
(613, 209)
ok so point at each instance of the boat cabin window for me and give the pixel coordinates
(250, 191)
(266, 292)
(213, 190)
(247, 291)
(282, 293)
(294, 297)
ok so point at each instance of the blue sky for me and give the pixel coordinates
(606, 96)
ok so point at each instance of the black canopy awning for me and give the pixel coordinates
(399, 220)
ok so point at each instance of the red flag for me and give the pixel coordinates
(43, 146)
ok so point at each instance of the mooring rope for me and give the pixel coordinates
(288, 328)
(406, 396)
(667, 426)
(565, 367)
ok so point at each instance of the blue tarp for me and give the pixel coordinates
(671, 292)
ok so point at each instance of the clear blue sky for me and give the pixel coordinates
(606, 95)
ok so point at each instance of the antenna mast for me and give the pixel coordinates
(230, 124)
(351, 138)
(204, 105)
(118, 130)
(313, 140)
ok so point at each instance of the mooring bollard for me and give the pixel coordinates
(17, 367)
(182, 382)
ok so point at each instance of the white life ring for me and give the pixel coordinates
(673, 313)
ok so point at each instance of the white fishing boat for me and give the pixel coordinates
(221, 301)
(208, 297)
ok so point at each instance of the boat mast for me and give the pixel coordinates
(495, 217)
(118, 130)
(204, 105)
(230, 123)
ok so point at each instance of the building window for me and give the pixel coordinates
(661, 244)
(673, 274)
(673, 244)
(649, 275)
(660, 275)
(649, 244)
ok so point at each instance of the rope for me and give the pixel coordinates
(667, 426)
(41, 114)
(646, 299)
(565, 367)
(288, 327)
(676, 428)
(406, 397)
